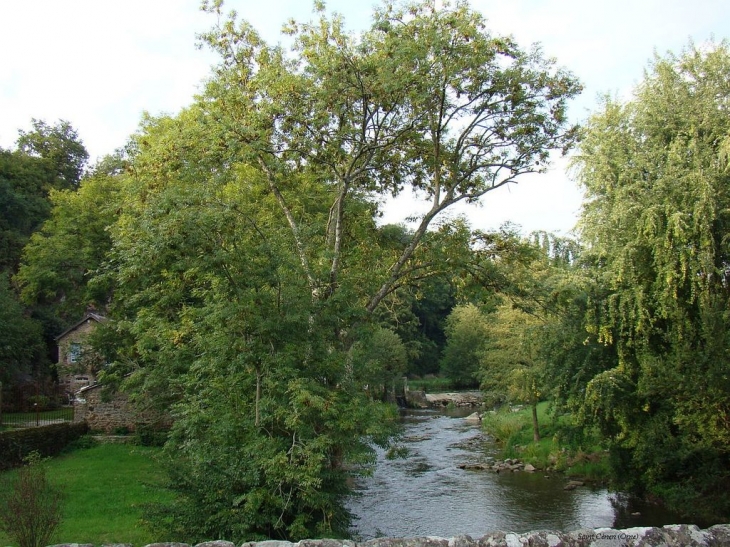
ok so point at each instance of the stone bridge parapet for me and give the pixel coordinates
(680, 535)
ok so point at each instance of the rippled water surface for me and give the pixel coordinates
(427, 494)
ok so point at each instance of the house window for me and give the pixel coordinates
(74, 352)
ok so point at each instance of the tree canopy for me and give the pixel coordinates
(247, 263)
(655, 222)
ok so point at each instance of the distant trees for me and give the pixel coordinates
(62, 257)
(466, 335)
(60, 150)
(46, 159)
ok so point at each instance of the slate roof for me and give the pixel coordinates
(90, 315)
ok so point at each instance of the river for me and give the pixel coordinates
(426, 494)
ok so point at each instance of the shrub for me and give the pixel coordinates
(30, 508)
(50, 440)
(148, 435)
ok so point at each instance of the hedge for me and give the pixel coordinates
(49, 440)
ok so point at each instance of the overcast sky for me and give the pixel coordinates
(100, 63)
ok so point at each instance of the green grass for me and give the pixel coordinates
(104, 489)
(430, 385)
(562, 446)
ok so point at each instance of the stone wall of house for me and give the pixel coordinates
(683, 535)
(104, 415)
(112, 412)
(69, 373)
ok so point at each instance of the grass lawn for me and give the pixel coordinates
(104, 488)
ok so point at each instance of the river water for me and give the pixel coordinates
(426, 494)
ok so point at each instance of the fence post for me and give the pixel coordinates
(1, 403)
(37, 411)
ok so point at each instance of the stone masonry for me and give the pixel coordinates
(682, 535)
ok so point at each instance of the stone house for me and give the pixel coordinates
(74, 370)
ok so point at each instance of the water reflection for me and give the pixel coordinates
(427, 494)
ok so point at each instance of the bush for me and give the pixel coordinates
(147, 435)
(17, 445)
(30, 508)
(82, 443)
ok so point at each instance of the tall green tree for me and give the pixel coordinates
(428, 99)
(656, 177)
(511, 359)
(23, 204)
(46, 158)
(380, 360)
(248, 264)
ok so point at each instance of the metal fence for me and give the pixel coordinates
(33, 404)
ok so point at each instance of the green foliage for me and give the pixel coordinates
(510, 355)
(248, 268)
(61, 258)
(149, 435)
(49, 157)
(656, 219)
(23, 204)
(16, 445)
(30, 508)
(466, 332)
(61, 151)
(21, 342)
(380, 360)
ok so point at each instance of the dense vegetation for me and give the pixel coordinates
(256, 299)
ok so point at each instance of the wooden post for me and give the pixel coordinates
(1, 404)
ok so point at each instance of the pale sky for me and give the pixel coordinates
(100, 63)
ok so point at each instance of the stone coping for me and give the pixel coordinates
(676, 535)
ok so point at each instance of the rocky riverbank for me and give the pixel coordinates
(456, 399)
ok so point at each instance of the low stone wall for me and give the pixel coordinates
(682, 535)
(112, 413)
(101, 414)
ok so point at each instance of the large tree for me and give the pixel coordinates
(655, 221)
(247, 261)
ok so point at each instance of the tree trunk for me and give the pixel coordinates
(535, 426)
(258, 396)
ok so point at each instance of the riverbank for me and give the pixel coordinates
(562, 448)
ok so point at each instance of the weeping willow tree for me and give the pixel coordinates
(656, 219)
